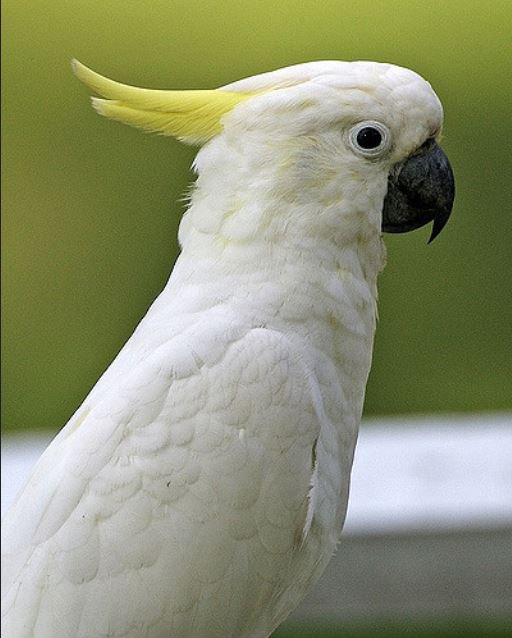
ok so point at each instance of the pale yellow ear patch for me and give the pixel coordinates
(192, 116)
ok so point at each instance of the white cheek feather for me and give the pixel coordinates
(201, 488)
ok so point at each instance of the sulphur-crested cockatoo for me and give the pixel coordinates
(200, 489)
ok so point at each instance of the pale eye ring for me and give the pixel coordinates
(370, 139)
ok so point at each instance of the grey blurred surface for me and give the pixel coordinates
(465, 573)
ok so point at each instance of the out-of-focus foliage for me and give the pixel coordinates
(449, 628)
(90, 212)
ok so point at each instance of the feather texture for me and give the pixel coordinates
(193, 116)
(201, 488)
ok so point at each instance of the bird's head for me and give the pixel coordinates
(363, 133)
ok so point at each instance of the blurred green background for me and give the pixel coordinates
(91, 207)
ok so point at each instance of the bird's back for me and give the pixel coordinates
(179, 502)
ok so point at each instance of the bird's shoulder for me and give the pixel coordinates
(181, 410)
(205, 440)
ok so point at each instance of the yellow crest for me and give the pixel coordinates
(192, 116)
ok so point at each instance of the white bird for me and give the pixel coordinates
(201, 488)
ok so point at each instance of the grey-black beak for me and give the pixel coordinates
(420, 189)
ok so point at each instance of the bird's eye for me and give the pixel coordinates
(370, 139)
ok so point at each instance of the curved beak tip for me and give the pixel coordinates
(438, 225)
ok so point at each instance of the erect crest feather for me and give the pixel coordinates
(192, 116)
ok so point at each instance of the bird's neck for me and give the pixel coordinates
(274, 207)
(291, 254)
(325, 289)
(323, 298)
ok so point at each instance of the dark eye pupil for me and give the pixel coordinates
(369, 137)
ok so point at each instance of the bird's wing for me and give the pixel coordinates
(178, 495)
